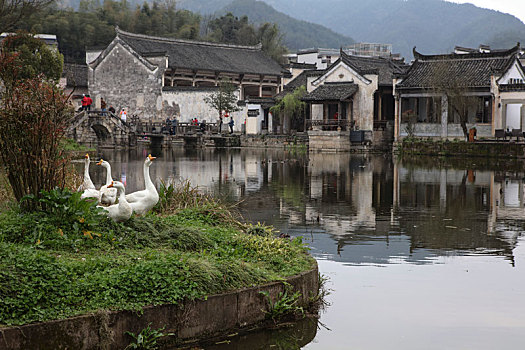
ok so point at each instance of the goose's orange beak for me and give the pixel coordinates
(100, 161)
(151, 157)
(111, 184)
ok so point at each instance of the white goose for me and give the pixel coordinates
(108, 195)
(89, 190)
(142, 201)
(121, 211)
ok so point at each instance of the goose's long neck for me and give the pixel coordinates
(86, 168)
(108, 174)
(149, 184)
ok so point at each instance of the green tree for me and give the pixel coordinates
(28, 57)
(14, 11)
(272, 41)
(232, 30)
(223, 99)
(290, 109)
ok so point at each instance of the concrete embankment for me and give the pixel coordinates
(199, 319)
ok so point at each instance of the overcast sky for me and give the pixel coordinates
(514, 7)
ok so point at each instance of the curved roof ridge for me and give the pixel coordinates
(121, 32)
(476, 55)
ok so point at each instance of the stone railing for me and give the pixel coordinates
(330, 124)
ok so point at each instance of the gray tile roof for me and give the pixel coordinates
(471, 70)
(384, 67)
(332, 92)
(204, 56)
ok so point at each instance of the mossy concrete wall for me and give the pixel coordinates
(216, 315)
(460, 148)
(273, 141)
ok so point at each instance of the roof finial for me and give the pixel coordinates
(415, 53)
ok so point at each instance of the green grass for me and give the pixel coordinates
(49, 272)
(72, 145)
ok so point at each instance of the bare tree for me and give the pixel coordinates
(448, 83)
(13, 11)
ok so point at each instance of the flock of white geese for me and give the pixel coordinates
(112, 196)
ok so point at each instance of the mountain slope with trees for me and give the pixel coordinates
(93, 25)
(434, 26)
(296, 34)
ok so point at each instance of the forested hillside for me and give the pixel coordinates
(296, 34)
(434, 26)
(93, 25)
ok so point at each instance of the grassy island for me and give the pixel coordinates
(70, 260)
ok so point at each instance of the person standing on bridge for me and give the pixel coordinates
(89, 102)
(123, 115)
(230, 124)
(103, 106)
(84, 102)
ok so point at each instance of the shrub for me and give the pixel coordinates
(34, 113)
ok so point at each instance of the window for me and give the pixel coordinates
(484, 112)
(421, 110)
(476, 109)
(515, 81)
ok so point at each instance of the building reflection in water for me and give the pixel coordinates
(358, 209)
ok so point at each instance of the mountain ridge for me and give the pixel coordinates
(434, 26)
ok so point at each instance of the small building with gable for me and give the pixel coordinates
(487, 85)
(355, 93)
(156, 77)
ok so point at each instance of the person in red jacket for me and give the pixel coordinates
(89, 102)
(85, 100)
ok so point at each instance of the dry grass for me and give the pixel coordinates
(73, 179)
(6, 194)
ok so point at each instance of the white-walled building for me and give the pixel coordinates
(155, 77)
(493, 81)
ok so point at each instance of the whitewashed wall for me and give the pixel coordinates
(254, 124)
(189, 103)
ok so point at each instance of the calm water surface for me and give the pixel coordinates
(421, 253)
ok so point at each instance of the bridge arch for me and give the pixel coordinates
(100, 130)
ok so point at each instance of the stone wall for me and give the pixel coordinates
(126, 81)
(383, 139)
(335, 141)
(485, 149)
(217, 315)
(273, 141)
(454, 131)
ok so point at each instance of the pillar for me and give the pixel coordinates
(397, 116)
(444, 116)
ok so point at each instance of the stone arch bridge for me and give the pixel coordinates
(101, 129)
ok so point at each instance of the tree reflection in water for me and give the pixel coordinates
(361, 210)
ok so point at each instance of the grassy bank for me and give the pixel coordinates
(72, 260)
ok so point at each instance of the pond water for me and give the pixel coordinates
(420, 253)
